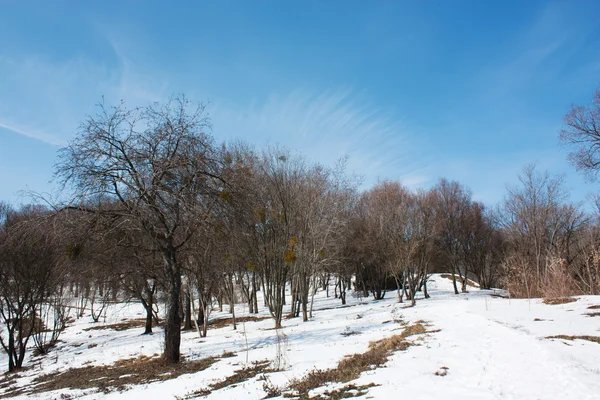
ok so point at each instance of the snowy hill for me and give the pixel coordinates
(469, 346)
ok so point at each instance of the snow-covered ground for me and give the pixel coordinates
(492, 347)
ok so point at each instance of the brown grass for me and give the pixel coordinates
(239, 376)
(352, 366)
(595, 339)
(223, 322)
(348, 332)
(242, 375)
(593, 314)
(346, 392)
(469, 282)
(558, 300)
(120, 326)
(124, 372)
(7, 382)
(596, 307)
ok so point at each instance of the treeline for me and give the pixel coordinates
(165, 215)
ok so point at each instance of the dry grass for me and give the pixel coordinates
(596, 307)
(120, 326)
(593, 314)
(352, 366)
(346, 392)
(348, 332)
(133, 371)
(242, 375)
(228, 354)
(558, 300)
(7, 382)
(595, 339)
(239, 376)
(469, 282)
(223, 322)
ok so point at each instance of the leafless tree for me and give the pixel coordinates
(29, 269)
(453, 201)
(160, 166)
(582, 133)
(541, 228)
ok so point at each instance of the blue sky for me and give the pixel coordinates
(409, 90)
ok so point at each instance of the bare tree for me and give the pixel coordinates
(582, 133)
(541, 228)
(28, 270)
(453, 201)
(160, 166)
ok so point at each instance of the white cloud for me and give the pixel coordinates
(45, 98)
(31, 133)
(327, 126)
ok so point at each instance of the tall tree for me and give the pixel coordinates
(161, 168)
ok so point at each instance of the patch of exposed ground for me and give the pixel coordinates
(595, 339)
(119, 326)
(469, 282)
(352, 366)
(558, 300)
(223, 322)
(593, 314)
(107, 378)
(239, 376)
(7, 384)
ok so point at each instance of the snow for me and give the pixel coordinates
(492, 347)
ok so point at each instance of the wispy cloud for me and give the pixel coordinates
(31, 133)
(45, 99)
(330, 125)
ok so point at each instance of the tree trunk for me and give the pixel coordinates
(201, 318)
(149, 316)
(254, 291)
(454, 281)
(173, 320)
(188, 313)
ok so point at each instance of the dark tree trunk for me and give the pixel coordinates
(149, 314)
(254, 290)
(201, 317)
(173, 319)
(454, 281)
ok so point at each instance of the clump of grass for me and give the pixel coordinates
(593, 314)
(595, 339)
(346, 392)
(239, 376)
(595, 307)
(270, 389)
(352, 366)
(558, 300)
(350, 332)
(242, 375)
